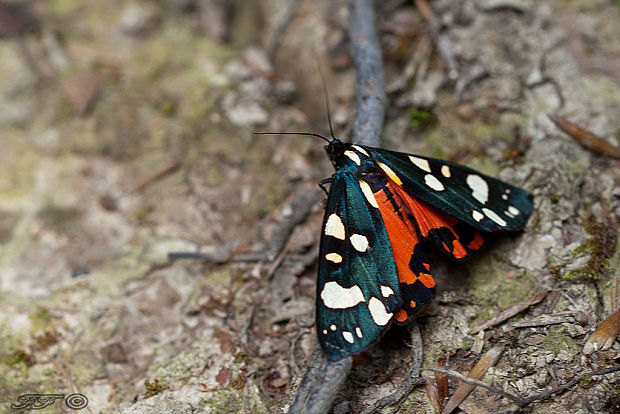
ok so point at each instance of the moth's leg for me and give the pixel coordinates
(323, 182)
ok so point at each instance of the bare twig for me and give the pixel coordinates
(323, 378)
(320, 383)
(299, 207)
(510, 312)
(545, 320)
(489, 359)
(441, 40)
(472, 381)
(524, 402)
(158, 175)
(371, 97)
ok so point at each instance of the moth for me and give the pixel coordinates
(373, 269)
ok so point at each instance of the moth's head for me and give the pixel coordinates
(335, 150)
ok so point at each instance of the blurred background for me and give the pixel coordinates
(126, 134)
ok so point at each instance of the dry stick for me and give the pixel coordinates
(169, 169)
(524, 402)
(323, 378)
(468, 380)
(370, 83)
(510, 312)
(442, 42)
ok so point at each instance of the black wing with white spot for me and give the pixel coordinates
(483, 202)
(358, 288)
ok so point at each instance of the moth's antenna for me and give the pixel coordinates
(292, 133)
(329, 111)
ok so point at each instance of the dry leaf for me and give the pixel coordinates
(586, 138)
(489, 359)
(605, 335)
(81, 91)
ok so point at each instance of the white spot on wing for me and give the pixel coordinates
(431, 181)
(479, 187)
(324, 331)
(353, 156)
(360, 149)
(504, 197)
(420, 163)
(386, 291)
(348, 336)
(378, 312)
(477, 215)
(332, 327)
(358, 332)
(333, 257)
(445, 171)
(514, 211)
(334, 227)
(390, 173)
(493, 216)
(359, 242)
(368, 194)
(335, 296)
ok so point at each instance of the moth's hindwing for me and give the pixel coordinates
(417, 286)
(449, 234)
(482, 202)
(357, 288)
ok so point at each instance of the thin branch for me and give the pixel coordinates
(323, 378)
(371, 97)
(524, 402)
(472, 381)
(320, 383)
(510, 312)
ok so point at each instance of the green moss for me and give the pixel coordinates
(224, 402)
(268, 196)
(555, 198)
(557, 340)
(494, 288)
(153, 388)
(419, 117)
(40, 319)
(143, 212)
(241, 356)
(18, 357)
(600, 248)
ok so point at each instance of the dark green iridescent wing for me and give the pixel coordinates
(357, 289)
(485, 203)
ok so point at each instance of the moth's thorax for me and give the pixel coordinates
(346, 156)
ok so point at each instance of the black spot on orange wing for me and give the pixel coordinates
(417, 286)
(447, 233)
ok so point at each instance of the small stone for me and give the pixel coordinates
(244, 113)
(114, 353)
